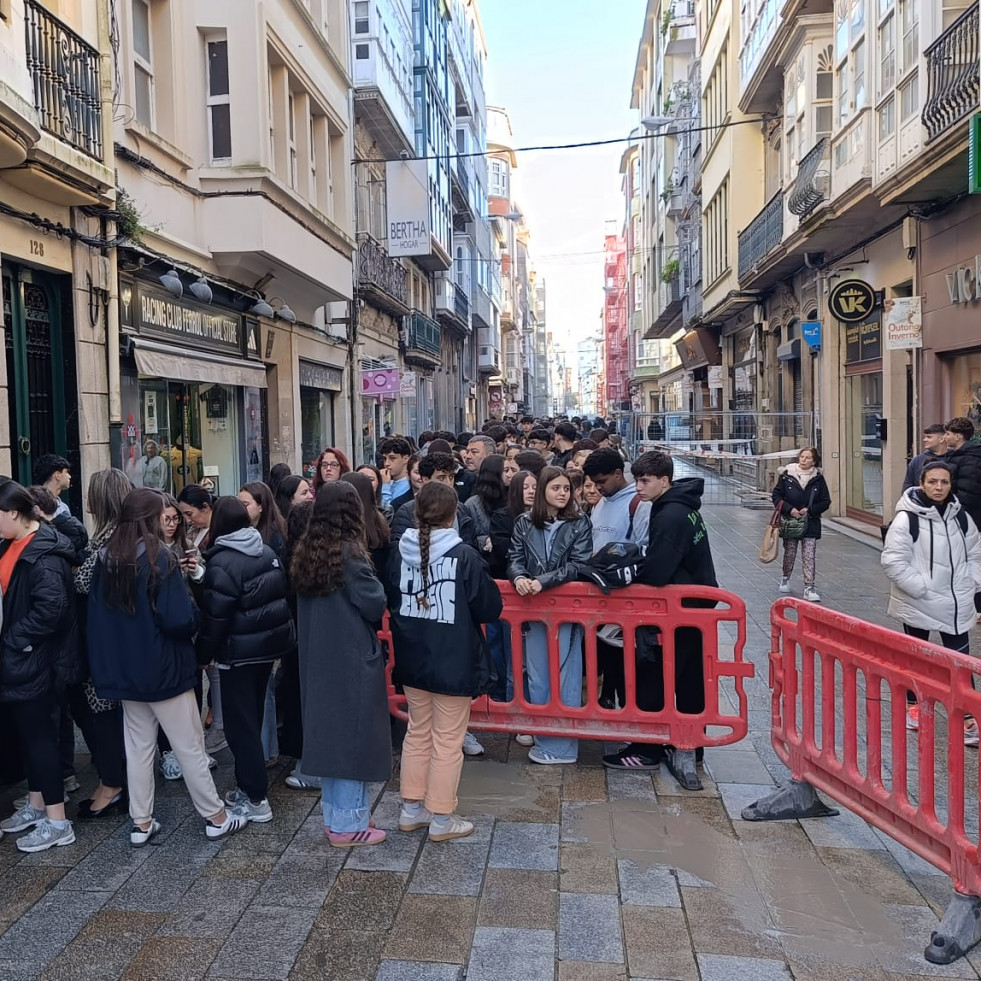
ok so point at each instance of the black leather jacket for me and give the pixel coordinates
(571, 549)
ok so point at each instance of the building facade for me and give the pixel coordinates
(58, 232)
(616, 351)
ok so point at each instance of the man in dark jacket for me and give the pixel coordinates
(964, 459)
(565, 436)
(440, 467)
(678, 553)
(934, 448)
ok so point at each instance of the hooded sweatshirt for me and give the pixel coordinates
(933, 579)
(245, 618)
(611, 516)
(438, 644)
(678, 551)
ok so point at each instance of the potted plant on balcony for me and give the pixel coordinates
(670, 270)
(665, 20)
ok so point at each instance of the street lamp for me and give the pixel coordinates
(654, 123)
(510, 216)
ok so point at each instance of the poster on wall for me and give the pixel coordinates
(407, 385)
(902, 319)
(150, 412)
(863, 341)
(253, 435)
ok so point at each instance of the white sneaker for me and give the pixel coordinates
(46, 836)
(233, 822)
(785, 584)
(523, 739)
(471, 747)
(414, 817)
(169, 766)
(812, 595)
(138, 836)
(240, 803)
(446, 827)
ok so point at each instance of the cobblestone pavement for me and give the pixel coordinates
(574, 874)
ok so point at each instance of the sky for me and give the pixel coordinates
(563, 69)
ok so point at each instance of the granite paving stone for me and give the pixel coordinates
(449, 871)
(265, 942)
(715, 967)
(175, 959)
(433, 928)
(586, 868)
(647, 885)
(586, 971)
(519, 955)
(589, 928)
(210, 908)
(624, 785)
(519, 898)
(300, 883)
(367, 901)
(397, 854)
(584, 784)
(725, 924)
(658, 944)
(338, 955)
(737, 766)
(417, 971)
(518, 845)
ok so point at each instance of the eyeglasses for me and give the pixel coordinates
(330, 465)
(175, 519)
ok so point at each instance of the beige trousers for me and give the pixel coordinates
(180, 719)
(432, 754)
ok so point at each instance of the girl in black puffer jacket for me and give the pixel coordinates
(246, 625)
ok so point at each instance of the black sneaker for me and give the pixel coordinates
(632, 758)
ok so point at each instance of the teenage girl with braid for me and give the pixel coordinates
(439, 594)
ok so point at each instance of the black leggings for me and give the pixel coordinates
(37, 725)
(953, 642)
(103, 732)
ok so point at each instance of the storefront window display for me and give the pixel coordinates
(964, 384)
(319, 385)
(378, 419)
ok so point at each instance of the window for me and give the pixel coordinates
(887, 55)
(291, 141)
(910, 26)
(361, 52)
(844, 98)
(909, 98)
(143, 62)
(887, 118)
(219, 108)
(715, 99)
(858, 74)
(498, 175)
(361, 23)
(717, 234)
(312, 155)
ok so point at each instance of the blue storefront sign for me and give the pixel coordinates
(811, 331)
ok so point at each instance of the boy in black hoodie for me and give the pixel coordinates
(678, 553)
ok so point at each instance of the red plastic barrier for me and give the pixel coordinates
(849, 738)
(724, 719)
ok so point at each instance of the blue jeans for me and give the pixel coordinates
(345, 804)
(270, 731)
(570, 678)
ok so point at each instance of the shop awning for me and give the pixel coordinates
(166, 361)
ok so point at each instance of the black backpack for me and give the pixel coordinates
(914, 523)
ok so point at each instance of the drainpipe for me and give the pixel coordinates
(112, 334)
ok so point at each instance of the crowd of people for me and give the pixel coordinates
(170, 629)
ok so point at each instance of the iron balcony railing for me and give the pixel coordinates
(763, 234)
(65, 73)
(461, 304)
(813, 182)
(423, 335)
(953, 74)
(378, 269)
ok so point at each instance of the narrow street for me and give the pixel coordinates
(573, 874)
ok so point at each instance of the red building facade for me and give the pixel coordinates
(615, 339)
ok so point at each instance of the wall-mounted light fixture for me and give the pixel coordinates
(283, 311)
(260, 308)
(201, 289)
(172, 283)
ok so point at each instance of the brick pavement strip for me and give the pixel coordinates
(551, 887)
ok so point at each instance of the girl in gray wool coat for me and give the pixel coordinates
(340, 601)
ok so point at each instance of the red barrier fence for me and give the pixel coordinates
(839, 723)
(724, 719)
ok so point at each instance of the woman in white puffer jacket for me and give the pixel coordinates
(932, 557)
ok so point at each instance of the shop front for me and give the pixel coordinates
(193, 393)
(320, 385)
(380, 388)
(950, 256)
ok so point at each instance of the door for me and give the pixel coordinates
(40, 380)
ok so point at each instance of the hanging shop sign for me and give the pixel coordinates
(851, 301)
(327, 379)
(863, 342)
(407, 385)
(811, 331)
(156, 313)
(902, 322)
(380, 382)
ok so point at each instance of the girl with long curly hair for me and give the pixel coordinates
(339, 600)
(439, 594)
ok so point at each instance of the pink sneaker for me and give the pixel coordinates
(352, 839)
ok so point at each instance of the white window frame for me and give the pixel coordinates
(143, 66)
(312, 148)
(216, 100)
(291, 163)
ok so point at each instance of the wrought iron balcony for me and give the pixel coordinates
(385, 278)
(65, 73)
(953, 74)
(461, 304)
(763, 234)
(422, 337)
(813, 182)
